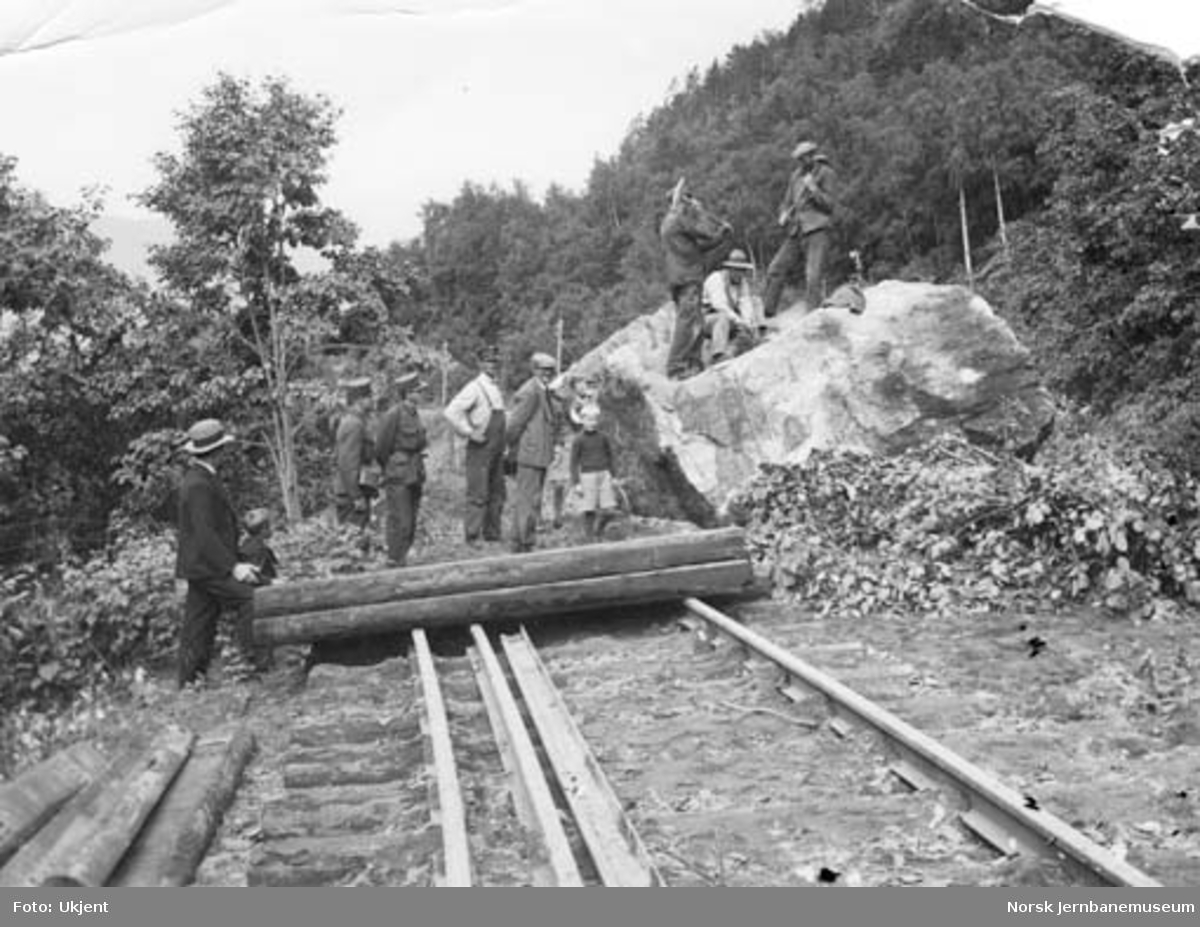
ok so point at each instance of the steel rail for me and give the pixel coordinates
(614, 844)
(530, 780)
(993, 804)
(455, 846)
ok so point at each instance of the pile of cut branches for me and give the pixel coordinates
(950, 526)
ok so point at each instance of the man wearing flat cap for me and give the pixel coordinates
(207, 558)
(352, 450)
(400, 450)
(477, 414)
(531, 436)
(806, 216)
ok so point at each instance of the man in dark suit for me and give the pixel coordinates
(400, 450)
(208, 558)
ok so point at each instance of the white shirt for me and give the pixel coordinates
(470, 411)
(738, 302)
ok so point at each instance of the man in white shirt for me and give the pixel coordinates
(732, 313)
(477, 413)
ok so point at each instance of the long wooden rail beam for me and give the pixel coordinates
(531, 781)
(455, 847)
(613, 843)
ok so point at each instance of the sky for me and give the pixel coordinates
(434, 92)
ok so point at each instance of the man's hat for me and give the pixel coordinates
(206, 436)
(357, 388)
(256, 518)
(804, 148)
(407, 380)
(541, 361)
(737, 260)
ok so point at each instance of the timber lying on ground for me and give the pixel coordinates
(548, 583)
(728, 577)
(544, 566)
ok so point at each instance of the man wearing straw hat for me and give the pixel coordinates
(732, 313)
(807, 217)
(207, 558)
(400, 450)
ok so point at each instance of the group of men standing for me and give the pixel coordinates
(709, 279)
(522, 436)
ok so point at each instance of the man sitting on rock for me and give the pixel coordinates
(732, 313)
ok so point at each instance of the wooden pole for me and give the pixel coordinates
(1003, 225)
(728, 577)
(173, 842)
(86, 840)
(966, 235)
(30, 800)
(543, 566)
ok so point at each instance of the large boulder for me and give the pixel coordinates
(920, 360)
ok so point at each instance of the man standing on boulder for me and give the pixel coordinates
(696, 242)
(806, 215)
(208, 558)
(477, 413)
(532, 430)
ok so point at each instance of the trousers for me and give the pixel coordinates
(402, 503)
(527, 506)
(485, 482)
(202, 607)
(812, 247)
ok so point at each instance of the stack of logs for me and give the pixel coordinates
(543, 584)
(142, 818)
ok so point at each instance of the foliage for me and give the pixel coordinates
(948, 526)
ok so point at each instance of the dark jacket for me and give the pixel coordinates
(694, 245)
(533, 425)
(208, 527)
(401, 444)
(352, 450)
(810, 201)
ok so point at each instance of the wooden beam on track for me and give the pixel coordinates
(455, 847)
(1032, 830)
(614, 844)
(548, 600)
(531, 780)
(565, 564)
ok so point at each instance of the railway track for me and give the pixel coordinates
(492, 762)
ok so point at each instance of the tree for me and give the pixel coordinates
(243, 197)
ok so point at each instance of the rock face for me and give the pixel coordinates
(922, 359)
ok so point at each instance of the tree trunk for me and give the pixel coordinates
(31, 799)
(1002, 224)
(86, 840)
(966, 236)
(176, 836)
(543, 566)
(727, 577)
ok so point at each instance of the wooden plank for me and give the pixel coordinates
(532, 779)
(86, 840)
(614, 844)
(30, 800)
(455, 848)
(531, 569)
(177, 835)
(558, 600)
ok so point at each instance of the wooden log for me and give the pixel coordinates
(532, 569)
(174, 839)
(519, 602)
(84, 842)
(30, 800)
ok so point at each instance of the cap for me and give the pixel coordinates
(206, 436)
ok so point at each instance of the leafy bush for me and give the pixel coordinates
(950, 525)
(107, 615)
